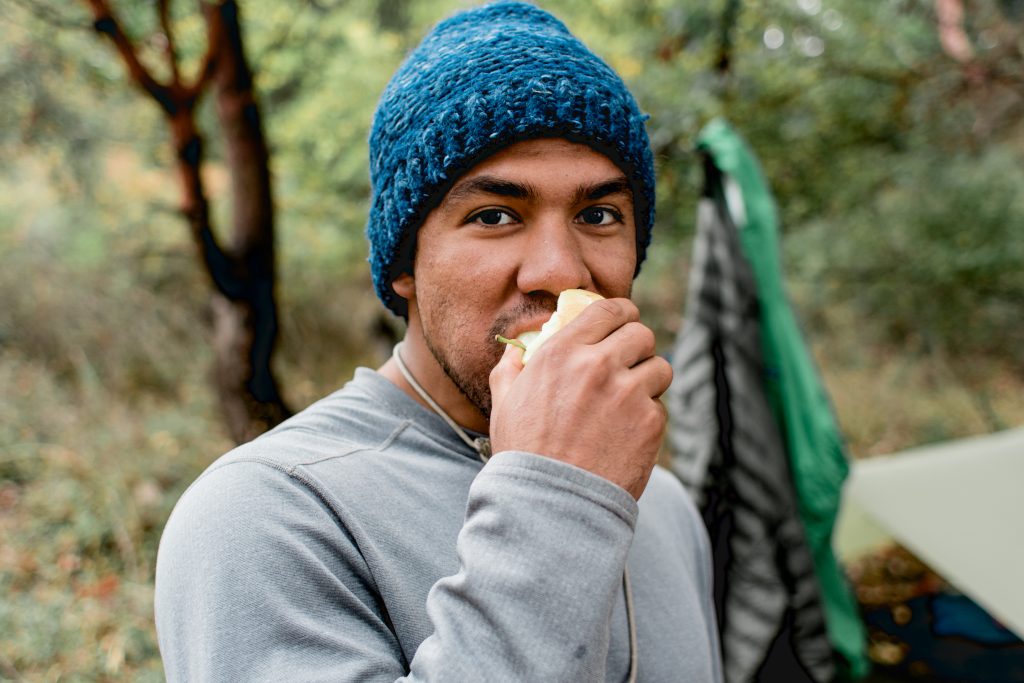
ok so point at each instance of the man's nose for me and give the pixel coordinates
(553, 258)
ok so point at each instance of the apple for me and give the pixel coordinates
(571, 303)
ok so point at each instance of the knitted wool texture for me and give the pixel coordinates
(480, 81)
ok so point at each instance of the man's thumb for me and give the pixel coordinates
(504, 373)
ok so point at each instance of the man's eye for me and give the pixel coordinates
(492, 217)
(597, 215)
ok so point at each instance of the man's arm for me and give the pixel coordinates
(541, 557)
(258, 579)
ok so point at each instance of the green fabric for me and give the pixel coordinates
(795, 391)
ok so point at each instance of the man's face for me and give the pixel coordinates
(539, 217)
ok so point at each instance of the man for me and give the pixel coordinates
(374, 537)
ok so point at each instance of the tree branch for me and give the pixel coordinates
(163, 9)
(214, 37)
(730, 16)
(949, 16)
(949, 19)
(106, 23)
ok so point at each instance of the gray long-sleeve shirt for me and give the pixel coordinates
(363, 541)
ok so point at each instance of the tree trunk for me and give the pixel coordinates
(244, 311)
(243, 306)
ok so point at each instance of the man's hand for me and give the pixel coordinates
(590, 396)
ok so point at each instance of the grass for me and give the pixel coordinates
(889, 398)
(89, 470)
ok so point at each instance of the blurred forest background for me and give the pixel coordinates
(891, 132)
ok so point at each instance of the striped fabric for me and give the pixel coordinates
(727, 450)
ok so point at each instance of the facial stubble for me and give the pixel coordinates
(454, 354)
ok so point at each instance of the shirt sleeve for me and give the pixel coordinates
(257, 579)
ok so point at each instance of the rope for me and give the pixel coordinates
(482, 445)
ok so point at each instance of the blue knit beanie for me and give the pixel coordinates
(482, 80)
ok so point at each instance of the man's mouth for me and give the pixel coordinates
(527, 317)
(531, 324)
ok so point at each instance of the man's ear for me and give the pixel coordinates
(404, 286)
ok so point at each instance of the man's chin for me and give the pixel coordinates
(475, 386)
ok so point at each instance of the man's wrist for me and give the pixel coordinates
(558, 475)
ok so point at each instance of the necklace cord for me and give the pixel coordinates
(482, 445)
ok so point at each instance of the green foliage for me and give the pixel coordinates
(944, 269)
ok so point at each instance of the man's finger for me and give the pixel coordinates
(631, 344)
(654, 375)
(600, 319)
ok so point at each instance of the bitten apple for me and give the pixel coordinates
(571, 303)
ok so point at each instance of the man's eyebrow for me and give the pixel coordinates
(490, 185)
(590, 193)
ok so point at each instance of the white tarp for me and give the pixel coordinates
(958, 506)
